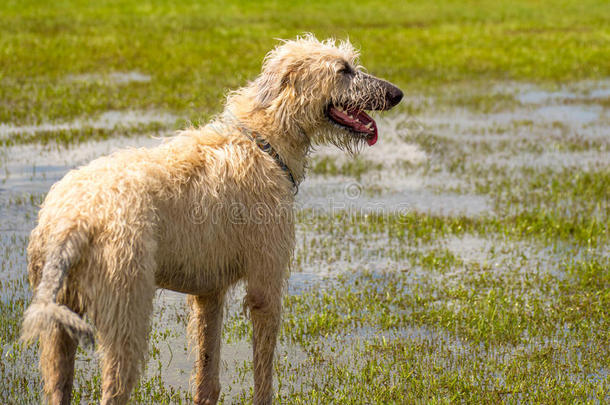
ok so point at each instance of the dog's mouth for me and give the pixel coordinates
(354, 120)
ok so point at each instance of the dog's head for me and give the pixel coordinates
(318, 88)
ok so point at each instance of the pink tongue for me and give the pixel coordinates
(358, 124)
(372, 139)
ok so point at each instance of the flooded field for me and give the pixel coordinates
(466, 254)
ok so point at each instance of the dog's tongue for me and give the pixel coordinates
(372, 139)
(357, 120)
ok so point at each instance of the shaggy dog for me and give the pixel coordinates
(200, 212)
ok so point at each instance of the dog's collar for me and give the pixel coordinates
(267, 148)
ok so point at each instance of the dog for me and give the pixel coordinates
(203, 210)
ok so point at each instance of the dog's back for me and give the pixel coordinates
(199, 202)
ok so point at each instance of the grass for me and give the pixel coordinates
(354, 167)
(508, 306)
(195, 51)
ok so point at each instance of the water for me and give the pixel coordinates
(403, 178)
(106, 120)
(117, 78)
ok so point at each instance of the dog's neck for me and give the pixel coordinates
(292, 144)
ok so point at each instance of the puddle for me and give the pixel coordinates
(576, 114)
(391, 149)
(390, 189)
(584, 91)
(555, 160)
(518, 257)
(541, 96)
(467, 122)
(543, 133)
(119, 78)
(528, 93)
(176, 357)
(106, 120)
(334, 194)
(34, 168)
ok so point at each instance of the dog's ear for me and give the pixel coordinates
(272, 81)
(268, 86)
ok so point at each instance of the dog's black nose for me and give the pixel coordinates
(393, 95)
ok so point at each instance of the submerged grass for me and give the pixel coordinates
(73, 136)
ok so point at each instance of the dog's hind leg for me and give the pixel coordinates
(57, 352)
(207, 319)
(123, 328)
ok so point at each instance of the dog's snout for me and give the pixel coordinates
(383, 95)
(393, 95)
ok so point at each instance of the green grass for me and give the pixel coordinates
(353, 167)
(399, 310)
(195, 51)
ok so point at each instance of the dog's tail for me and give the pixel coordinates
(44, 313)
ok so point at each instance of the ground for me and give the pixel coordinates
(464, 258)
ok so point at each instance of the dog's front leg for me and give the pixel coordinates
(207, 316)
(264, 303)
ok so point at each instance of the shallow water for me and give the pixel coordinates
(580, 91)
(118, 78)
(348, 195)
(552, 159)
(106, 120)
(403, 177)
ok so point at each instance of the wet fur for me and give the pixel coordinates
(200, 212)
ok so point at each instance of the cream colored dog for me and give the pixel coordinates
(209, 207)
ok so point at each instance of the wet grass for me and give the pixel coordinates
(354, 167)
(77, 135)
(407, 321)
(505, 306)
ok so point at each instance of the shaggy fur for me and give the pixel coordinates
(196, 214)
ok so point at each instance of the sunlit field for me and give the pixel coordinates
(462, 259)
